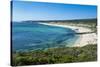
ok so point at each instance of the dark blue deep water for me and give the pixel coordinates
(33, 36)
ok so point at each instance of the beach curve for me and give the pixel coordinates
(84, 39)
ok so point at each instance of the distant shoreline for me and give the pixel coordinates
(84, 39)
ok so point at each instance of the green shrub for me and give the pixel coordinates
(56, 55)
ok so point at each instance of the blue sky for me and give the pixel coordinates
(24, 10)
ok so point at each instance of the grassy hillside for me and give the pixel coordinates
(56, 55)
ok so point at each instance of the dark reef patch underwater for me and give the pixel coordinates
(34, 36)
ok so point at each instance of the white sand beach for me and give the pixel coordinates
(84, 39)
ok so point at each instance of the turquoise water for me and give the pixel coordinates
(34, 36)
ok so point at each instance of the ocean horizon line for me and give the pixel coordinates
(54, 20)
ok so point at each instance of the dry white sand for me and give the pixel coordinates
(84, 39)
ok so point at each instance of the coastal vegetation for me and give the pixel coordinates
(56, 55)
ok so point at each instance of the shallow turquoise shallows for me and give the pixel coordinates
(33, 36)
